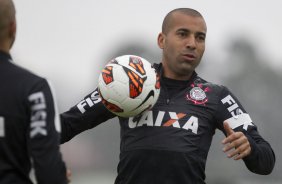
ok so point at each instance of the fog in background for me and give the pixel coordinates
(69, 42)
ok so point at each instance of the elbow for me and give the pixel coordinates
(268, 170)
(265, 168)
(263, 171)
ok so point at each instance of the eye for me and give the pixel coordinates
(182, 34)
(201, 37)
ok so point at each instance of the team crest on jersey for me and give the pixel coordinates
(197, 95)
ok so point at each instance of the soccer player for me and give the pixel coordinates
(170, 143)
(28, 117)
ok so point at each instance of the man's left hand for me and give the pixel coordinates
(237, 142)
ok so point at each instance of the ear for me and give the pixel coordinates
(161, 40)
(12, 33)
(13, 29)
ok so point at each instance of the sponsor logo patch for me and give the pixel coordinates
(175, 120)
(197, 95)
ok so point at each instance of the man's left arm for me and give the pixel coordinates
(243, 140)
(251, 147)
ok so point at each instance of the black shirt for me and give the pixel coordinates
(169, 144)
(28, 137)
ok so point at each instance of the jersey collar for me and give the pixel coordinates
(159, 69)
(4, 56)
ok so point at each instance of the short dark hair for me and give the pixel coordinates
(186, 11)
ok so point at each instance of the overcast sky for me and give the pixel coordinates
(67, 40)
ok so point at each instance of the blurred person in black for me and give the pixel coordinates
(29, 122)
(170, 143)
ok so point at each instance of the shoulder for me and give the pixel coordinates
(26, 76)
(216, 89)
(200, 81)
(22, 79)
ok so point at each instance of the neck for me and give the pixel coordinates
(4, 50)
(4, 47)
(178, 77)
(169, 72)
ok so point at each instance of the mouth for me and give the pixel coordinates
(189, 57)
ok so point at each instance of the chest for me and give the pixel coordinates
(191, 110)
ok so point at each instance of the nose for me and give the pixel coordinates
(190, 42)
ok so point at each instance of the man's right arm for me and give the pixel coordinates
(43, 135)
(88, 113)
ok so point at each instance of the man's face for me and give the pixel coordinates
(183, 45)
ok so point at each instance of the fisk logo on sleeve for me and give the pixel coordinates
(89, 102)
(38, 114)
(238, 116)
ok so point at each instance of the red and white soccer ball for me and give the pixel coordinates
(128, 85)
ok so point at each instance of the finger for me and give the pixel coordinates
(243, 155)
(230, 138)
(69, 174)
(244, 150)
(240, 150)
(227, 128)
(228, 147)
(229, 131)
(235, 140)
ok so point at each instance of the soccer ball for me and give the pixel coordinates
(128, 85)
